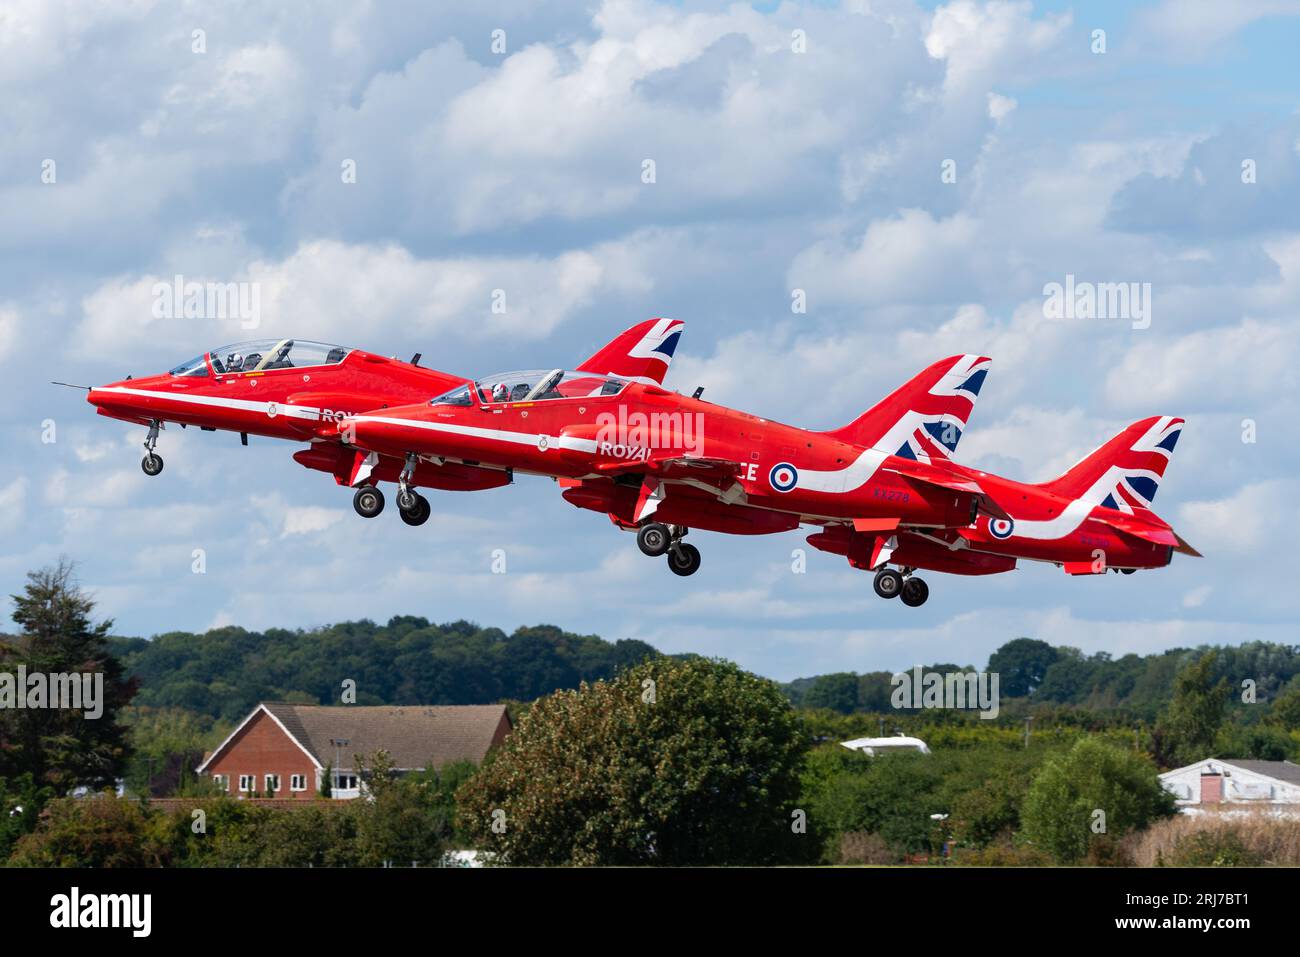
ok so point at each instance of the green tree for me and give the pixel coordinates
(1187, 728)
(1285, 709)
(62, 747)
(1092, 794)
(671, 762)
(1021, 665)
(21, 803)
(402, 822)
(97, 831)
(838, 692)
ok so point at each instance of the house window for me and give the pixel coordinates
(345, 782)
(297, 782)
(222, 781)
(246, 782)
(272, 783)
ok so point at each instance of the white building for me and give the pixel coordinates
(1216, 781)
(875, 746)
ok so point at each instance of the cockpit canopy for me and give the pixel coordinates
(263, 355)
(534, 385)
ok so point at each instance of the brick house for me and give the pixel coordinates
(283, 750)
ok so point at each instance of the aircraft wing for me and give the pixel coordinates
(947, 479)
(676, 467)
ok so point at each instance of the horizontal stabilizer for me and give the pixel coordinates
(1148, 532)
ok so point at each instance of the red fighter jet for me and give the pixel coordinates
(299, 390)
(883, 488)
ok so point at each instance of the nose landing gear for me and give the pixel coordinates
(413, 506)
(152, 462)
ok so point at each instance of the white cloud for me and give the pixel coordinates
(8, 331)
(1190, 28)
(1210, 367)
(1245, 522)
(976, 39)
(308, 519)
(344, 292)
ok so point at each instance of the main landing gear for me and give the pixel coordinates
(368, 501)
(152, 462)
(890, 583)
(411, 505)
(655, 539)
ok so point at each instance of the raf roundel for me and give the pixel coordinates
(1001, 527)
(783, 477)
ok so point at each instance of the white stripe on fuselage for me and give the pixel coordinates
(843, 480)
(212, 401)
(473, 431)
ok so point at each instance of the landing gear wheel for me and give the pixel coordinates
(915, 592)
(684, 560)
(419, 514)
(407, 500)
(1127, 571)
(152, 463)
(368, 501)
(654, 539)
(888, 583)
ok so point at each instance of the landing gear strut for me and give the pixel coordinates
(152, 462)
(418, 511)
(413, 506)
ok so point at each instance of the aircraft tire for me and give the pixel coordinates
(888, 583)
(368, 502)
(654, 539)
(684, 560)
(152, 464)
(419, 514)
(914, 593)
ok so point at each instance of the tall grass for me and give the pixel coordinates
(1236, 837)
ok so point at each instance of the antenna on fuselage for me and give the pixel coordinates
(415, 359)
(71, 385)
(699, 391)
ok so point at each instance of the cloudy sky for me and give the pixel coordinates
(795, 147)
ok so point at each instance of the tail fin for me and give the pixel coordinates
(642, 353)
(1125, 472)
(923, 419)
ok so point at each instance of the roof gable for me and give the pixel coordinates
(261, 709)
